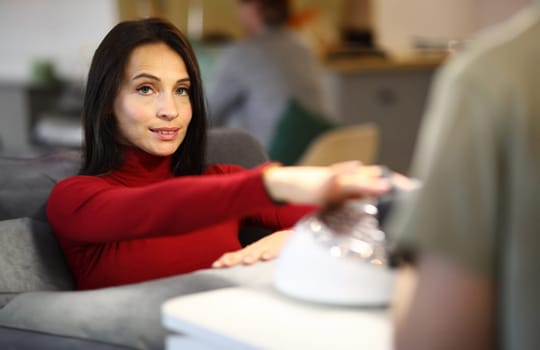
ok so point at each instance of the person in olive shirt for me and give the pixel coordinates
(474, 223)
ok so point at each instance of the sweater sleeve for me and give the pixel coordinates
(89, 209)
(276, 217)
(280, 218)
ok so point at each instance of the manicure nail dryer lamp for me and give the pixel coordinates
(337, 256)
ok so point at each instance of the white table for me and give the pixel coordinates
(262, 318)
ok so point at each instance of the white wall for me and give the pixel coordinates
(493, 11)
(397, 22)
(65, 31)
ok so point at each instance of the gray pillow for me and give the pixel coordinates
(30, 259)
(126, 315)
(234, 146)
(25, 182)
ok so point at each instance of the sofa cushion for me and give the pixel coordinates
(25, 182)
(30, 258)
(6, 297)
(128, 315)
(234, 146)
(11, 338)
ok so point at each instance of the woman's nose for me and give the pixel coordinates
(167, 108)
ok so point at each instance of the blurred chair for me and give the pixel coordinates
(354, 142)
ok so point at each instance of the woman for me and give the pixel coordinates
(144, 205)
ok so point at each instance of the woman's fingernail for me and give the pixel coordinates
(267, 256)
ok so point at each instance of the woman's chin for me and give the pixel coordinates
(162, 150)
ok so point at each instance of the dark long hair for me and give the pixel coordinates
(102, 152)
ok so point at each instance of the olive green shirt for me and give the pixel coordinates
(478, 156)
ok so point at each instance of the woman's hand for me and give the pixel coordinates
(323, 185)
(266, 248)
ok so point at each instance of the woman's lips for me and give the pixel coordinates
(165, 134)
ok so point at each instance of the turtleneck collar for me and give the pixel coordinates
(140, 168)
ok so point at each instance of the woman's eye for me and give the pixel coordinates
(145, 89)
(182, 91)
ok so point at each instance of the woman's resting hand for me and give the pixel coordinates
(266, 248)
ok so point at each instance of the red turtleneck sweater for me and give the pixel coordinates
(140, 222)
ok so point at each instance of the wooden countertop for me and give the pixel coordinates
(377, 64)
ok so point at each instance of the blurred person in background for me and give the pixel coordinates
(473, 224)
(256, 78)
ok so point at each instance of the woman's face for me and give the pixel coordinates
(153, 108)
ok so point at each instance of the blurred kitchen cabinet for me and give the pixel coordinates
(391, 93)
(41, 99)
(55, 115)
(26, 107)
(13, 116)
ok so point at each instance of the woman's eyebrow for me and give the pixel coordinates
(153, 77)
(146, 75)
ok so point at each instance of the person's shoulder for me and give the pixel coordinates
(514, 30)
(505, 49)
(221, 168)
(234, 56)
(80, 180)
(75, 188)
(236, 48)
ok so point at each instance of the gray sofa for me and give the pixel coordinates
(39, 308)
